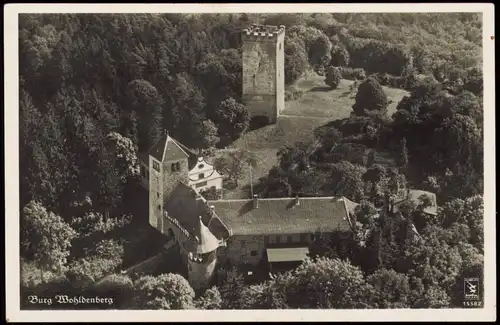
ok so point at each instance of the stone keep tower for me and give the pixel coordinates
(168, 164)
(264, 70)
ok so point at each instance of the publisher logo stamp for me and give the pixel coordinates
(471, 288)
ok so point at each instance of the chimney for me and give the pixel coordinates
(255, 201)
(297, 200)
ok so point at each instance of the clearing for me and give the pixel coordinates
(318, 106)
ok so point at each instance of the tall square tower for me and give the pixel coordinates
(264, 70)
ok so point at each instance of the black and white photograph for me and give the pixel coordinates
(181, 158)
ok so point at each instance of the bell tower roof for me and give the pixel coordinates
(167, 148)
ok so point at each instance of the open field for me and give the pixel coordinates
(318, 106)
(320, 101)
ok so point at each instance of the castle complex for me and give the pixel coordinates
(244, 232)
(254, 234)
(264, 71)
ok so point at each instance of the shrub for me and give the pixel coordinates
(293, 93)
(370, 97)
(333, 76)
(353, 73)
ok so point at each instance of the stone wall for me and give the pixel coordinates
(248, 249)
(200, 275)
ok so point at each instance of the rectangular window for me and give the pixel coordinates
(266, 240)
(253, 253)
(159, 207)
(201, 175)
(158, 194)
(156, 166)
(201, 184)
(278, 239)
(289, 239)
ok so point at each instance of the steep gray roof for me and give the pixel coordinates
(283, 216)
(167, 149)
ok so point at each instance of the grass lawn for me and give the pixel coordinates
(322, 102)
(318, 106)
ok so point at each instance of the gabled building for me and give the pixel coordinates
(242, 233)
(203, 176)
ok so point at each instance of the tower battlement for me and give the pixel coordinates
(262, 33)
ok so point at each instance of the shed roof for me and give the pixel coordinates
(287, 254)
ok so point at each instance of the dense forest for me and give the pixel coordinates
(97, 89)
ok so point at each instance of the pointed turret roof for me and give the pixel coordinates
(167, 148)
(206, 241)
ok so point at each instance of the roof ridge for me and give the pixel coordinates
(165, 148)
(282, 199)
(182, 147)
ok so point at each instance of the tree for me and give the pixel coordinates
(346, 180)
(333, 76)
(230, 289)
(185, 112)
(231, 118)
(125, 154)
(468, 212)
(211, 299)
(370, 98)
(144, 99)
(166, 291)
(45, 237)
(403, 154)
(319, 51)
(296, 60)
(391, 289)
(326, 283)
(376, 177)
(118, 286)
(209, 132)
(234, 163)
(340, 56)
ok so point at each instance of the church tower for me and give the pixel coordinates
(168, 164)
(264, 70)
